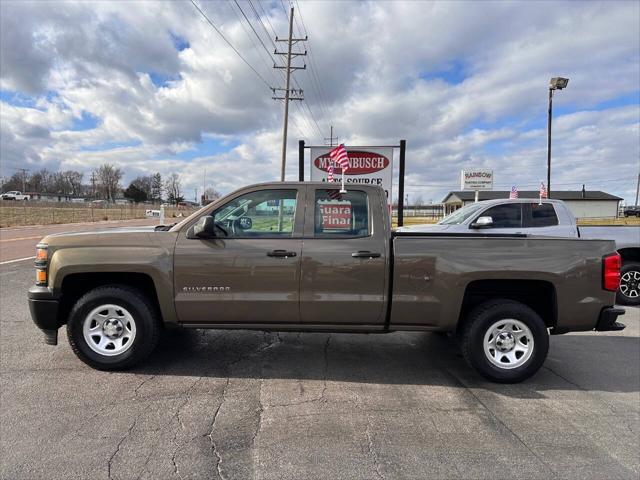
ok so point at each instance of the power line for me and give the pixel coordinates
(314, 71)
(255, 45)
(254, 30)
(281, 66)
(230, 44)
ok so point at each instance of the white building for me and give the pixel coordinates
(583, 203)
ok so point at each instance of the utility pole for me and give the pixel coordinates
(289, 94)
(24, 178)
(637, 189)
(93, 185)
(331, 138)
(204, 187)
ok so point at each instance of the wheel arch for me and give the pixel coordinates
(539, 295)
(630, 254)
(75, 285)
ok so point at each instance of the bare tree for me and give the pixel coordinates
(109, 177)
(173, 186)
(73, 181)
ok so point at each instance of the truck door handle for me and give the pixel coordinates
(365, 254)
(281, 254)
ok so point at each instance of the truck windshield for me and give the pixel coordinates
(460, 215)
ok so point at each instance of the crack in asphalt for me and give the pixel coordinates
(214, 448)
(325, 377)
(135, 391)
(499, 420)
(117, 450)
(581, 388)
(372, 451)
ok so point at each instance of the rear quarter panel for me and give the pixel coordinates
(431, 275)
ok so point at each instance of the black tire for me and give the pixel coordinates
(147, 324)
(478, 323)
(621, 298)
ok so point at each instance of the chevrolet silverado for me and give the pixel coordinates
(308, 257)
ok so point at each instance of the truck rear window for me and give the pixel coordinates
(543, 215)
(342, 215)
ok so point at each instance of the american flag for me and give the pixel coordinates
(514, 192)
(330, 175)
(339, 155)
(543, 191)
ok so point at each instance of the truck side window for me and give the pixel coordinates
(265, 213)
(505, 216)
(543, 215)
(341, 215)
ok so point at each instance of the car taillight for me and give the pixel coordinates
(611, 272)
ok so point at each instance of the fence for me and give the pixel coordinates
(44, 213)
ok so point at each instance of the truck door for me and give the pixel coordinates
(250, 271)
(344, 258)
(506, 217)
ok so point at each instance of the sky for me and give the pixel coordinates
(151, 86)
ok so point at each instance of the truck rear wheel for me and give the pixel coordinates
(113, 327)
(505, 341)
(629, 291)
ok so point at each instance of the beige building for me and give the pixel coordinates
(583, 203)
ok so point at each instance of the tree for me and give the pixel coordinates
(73, 180)
(109, 177)
(135, 193)
(156, 187)
(210, 195)
(418, 202)
(173, 186)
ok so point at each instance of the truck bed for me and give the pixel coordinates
(436, 276)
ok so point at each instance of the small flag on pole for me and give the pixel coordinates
(514, 193)
(543, 193)
(330, 175)
(339, 156)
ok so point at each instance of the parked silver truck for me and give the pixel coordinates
(545, 218)
(306, 257)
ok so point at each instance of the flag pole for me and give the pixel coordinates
(342, 190)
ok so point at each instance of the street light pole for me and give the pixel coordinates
(556, 83)
(549, 143)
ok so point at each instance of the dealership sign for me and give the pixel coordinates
(367, 166)
(477, 179)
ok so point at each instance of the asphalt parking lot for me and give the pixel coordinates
(239, 405)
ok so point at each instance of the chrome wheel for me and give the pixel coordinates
(630, 284)
(508, 343)
(109, 330)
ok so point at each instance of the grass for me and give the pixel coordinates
(31, 213)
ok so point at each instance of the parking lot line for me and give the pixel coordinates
(17, 260)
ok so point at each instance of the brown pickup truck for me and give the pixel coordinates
(306, 257)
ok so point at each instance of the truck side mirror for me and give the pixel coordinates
(205, 228)
(482, 222)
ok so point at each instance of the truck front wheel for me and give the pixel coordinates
(113, 327)
(505, 341)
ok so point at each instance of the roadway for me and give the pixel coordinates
(238, 405)
(20, 242)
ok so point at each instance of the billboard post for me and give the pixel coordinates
(403, 148)
(301, 160)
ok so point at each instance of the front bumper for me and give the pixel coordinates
(44, 308)
(607, 320)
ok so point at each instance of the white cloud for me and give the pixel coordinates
(463, 82)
